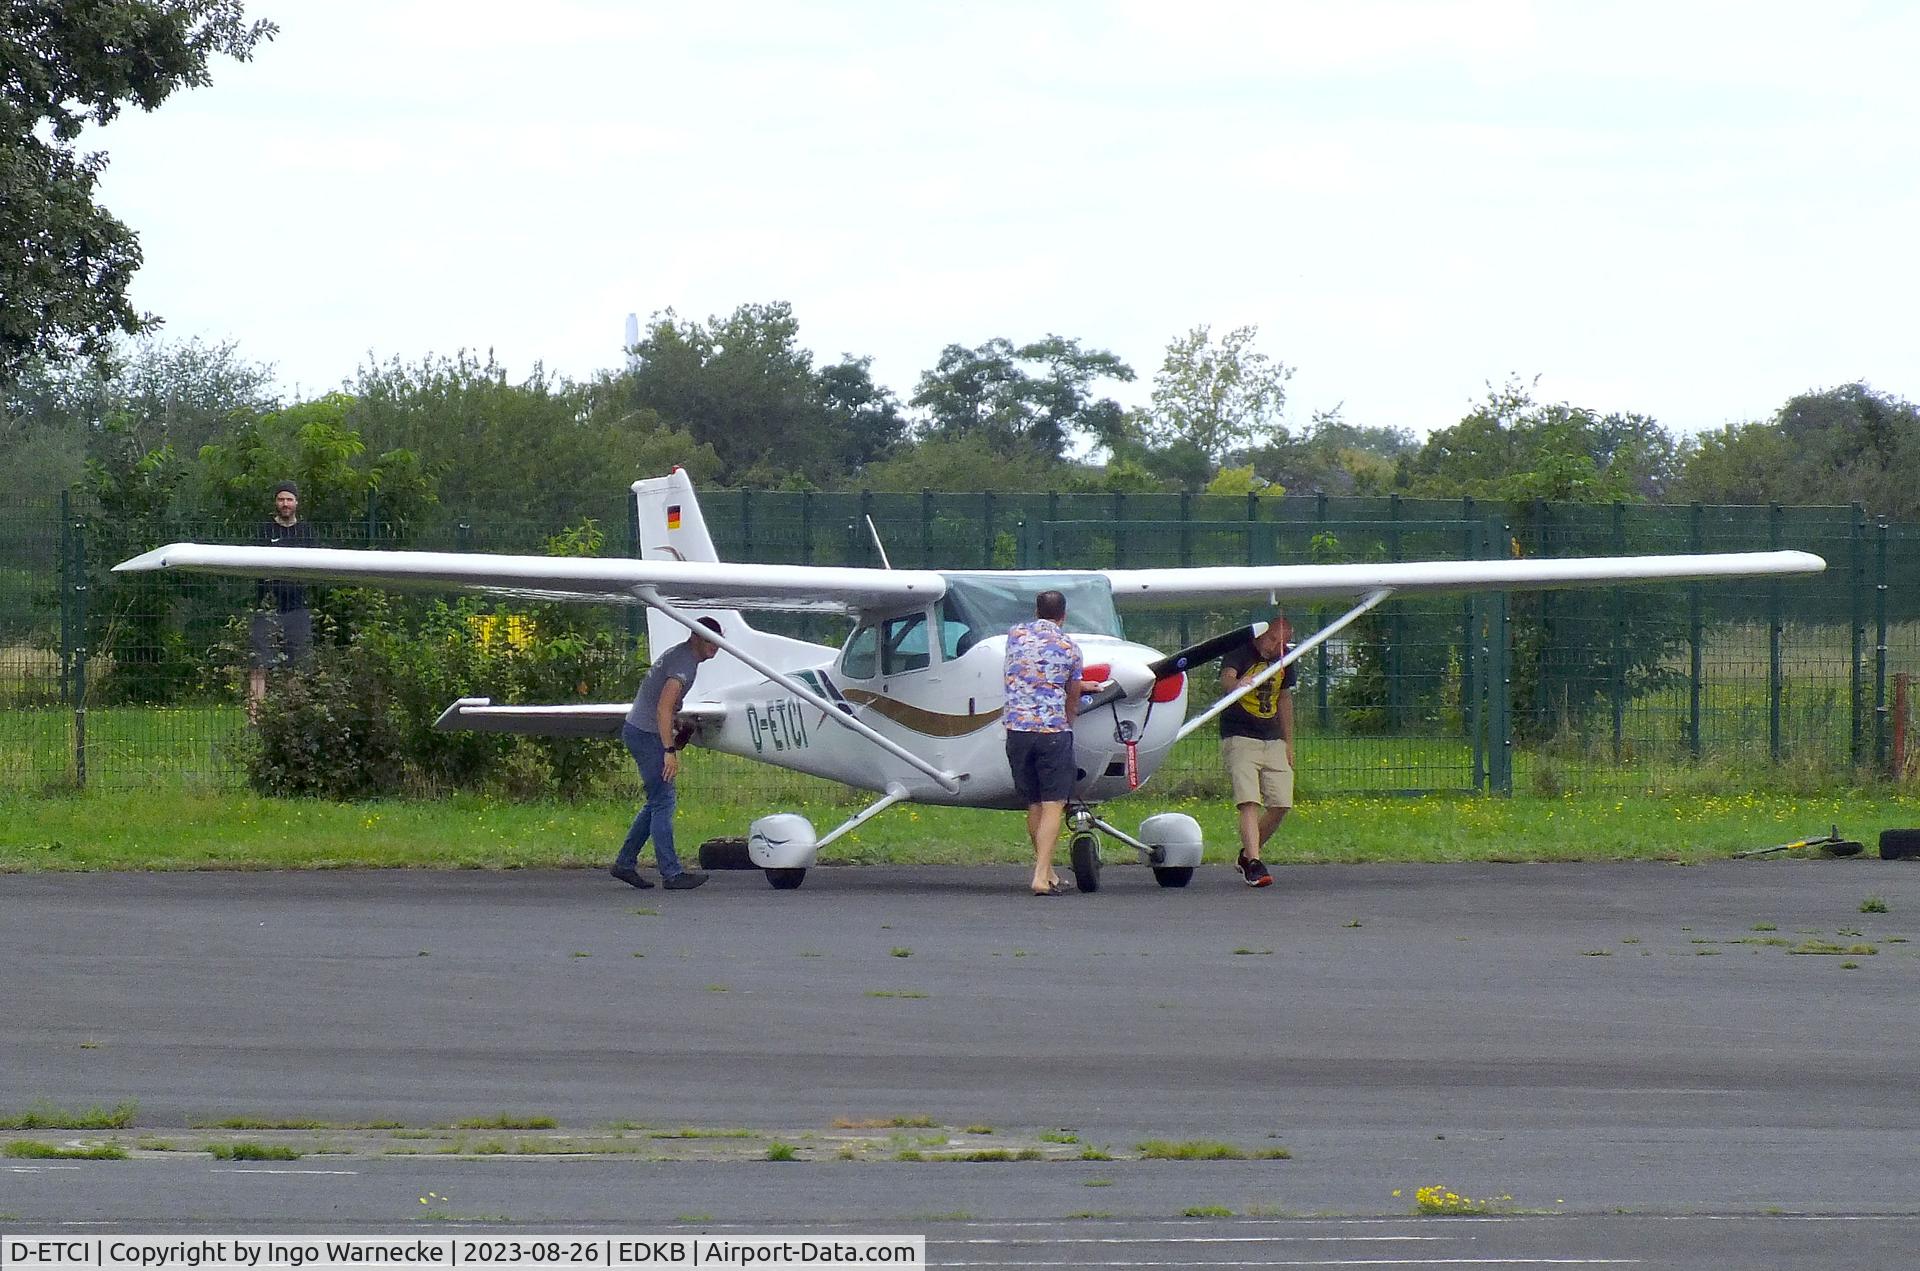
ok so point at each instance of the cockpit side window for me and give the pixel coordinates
(861, 658)
(903, 644)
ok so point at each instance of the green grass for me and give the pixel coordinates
(46, 1116)
(505, 1122)
(252, 1152)
(1189, 1150)
(167, 829)
(29, 1149)
(777, 1151)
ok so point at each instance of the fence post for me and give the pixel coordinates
(373, 516)
(1473, 714)
(1321, 658)
(1119, 535)
(1618, 681)
(1186, 556)
(635, 615)
(1396, 631)
(1857, 633)
(986, 561)
(1468, 643)
(1500, 743)
(1775, 626)
(1696, 632)
(78, 529)
(1543, 673)
(66, 599)
(806, 527)
(926, 528)
(746, 524)
(1880, 651)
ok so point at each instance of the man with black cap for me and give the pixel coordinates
(282, 628)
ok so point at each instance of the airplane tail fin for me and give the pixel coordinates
(672, 528)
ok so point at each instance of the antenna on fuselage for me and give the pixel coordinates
(871, 529)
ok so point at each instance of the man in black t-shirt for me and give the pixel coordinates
(1256, 742)
(282, 626)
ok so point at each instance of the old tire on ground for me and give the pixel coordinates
(786, 879)
(1173, 875)
(725, 854)
(1085, 854)
(1899, 845)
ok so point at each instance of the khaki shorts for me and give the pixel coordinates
(1259, 771)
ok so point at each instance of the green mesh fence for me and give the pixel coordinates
(118, 681)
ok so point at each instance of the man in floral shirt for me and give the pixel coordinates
(1043, 694)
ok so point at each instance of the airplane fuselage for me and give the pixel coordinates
(948, 712)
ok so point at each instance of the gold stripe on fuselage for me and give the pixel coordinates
(925, 722)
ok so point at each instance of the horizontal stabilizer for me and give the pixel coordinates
(480, 715)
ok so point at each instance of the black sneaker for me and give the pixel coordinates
(1254, 870)
(685, 880)
(631, 877)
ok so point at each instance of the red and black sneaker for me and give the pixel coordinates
(1254, 870)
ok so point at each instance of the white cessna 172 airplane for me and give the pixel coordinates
(909, 707)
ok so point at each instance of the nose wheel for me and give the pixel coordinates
(1084, 852)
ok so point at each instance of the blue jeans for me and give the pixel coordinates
(655, 820)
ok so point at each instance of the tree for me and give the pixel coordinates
(1218, 398)
(1840, 445)
(743, 385)
(65, 262)
(154, 392)
(314, 444)
(989, 391)
(1512, 448)
(543, 450)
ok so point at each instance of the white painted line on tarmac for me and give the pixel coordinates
(37, 1169)
(229, 1170)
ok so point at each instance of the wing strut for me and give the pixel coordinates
(651, 599)
(896, 793)
(1314, 641)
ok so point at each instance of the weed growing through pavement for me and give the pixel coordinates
(778, 1151)
(1206, 1211)
(1439, 1200)
(252, 1152)
(32, 1150)
(901, 951)
(41, 1115)
(505, 1122)
(1873, 905)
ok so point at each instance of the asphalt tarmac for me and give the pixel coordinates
(1629, 1061)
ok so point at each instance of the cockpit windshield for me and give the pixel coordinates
(980, 605)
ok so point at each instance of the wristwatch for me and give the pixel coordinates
(669, 750)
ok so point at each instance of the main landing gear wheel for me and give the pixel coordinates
(1173, 875)
(725, 853)
(786, 879)
(1085, 854)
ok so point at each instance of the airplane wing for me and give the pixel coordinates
(1258, 584)
(607, 580)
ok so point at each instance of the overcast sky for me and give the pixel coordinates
(1691, 210)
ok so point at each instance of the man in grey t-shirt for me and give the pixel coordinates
(649, 735)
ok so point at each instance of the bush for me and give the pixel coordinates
(329, 731)
(357, 722)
